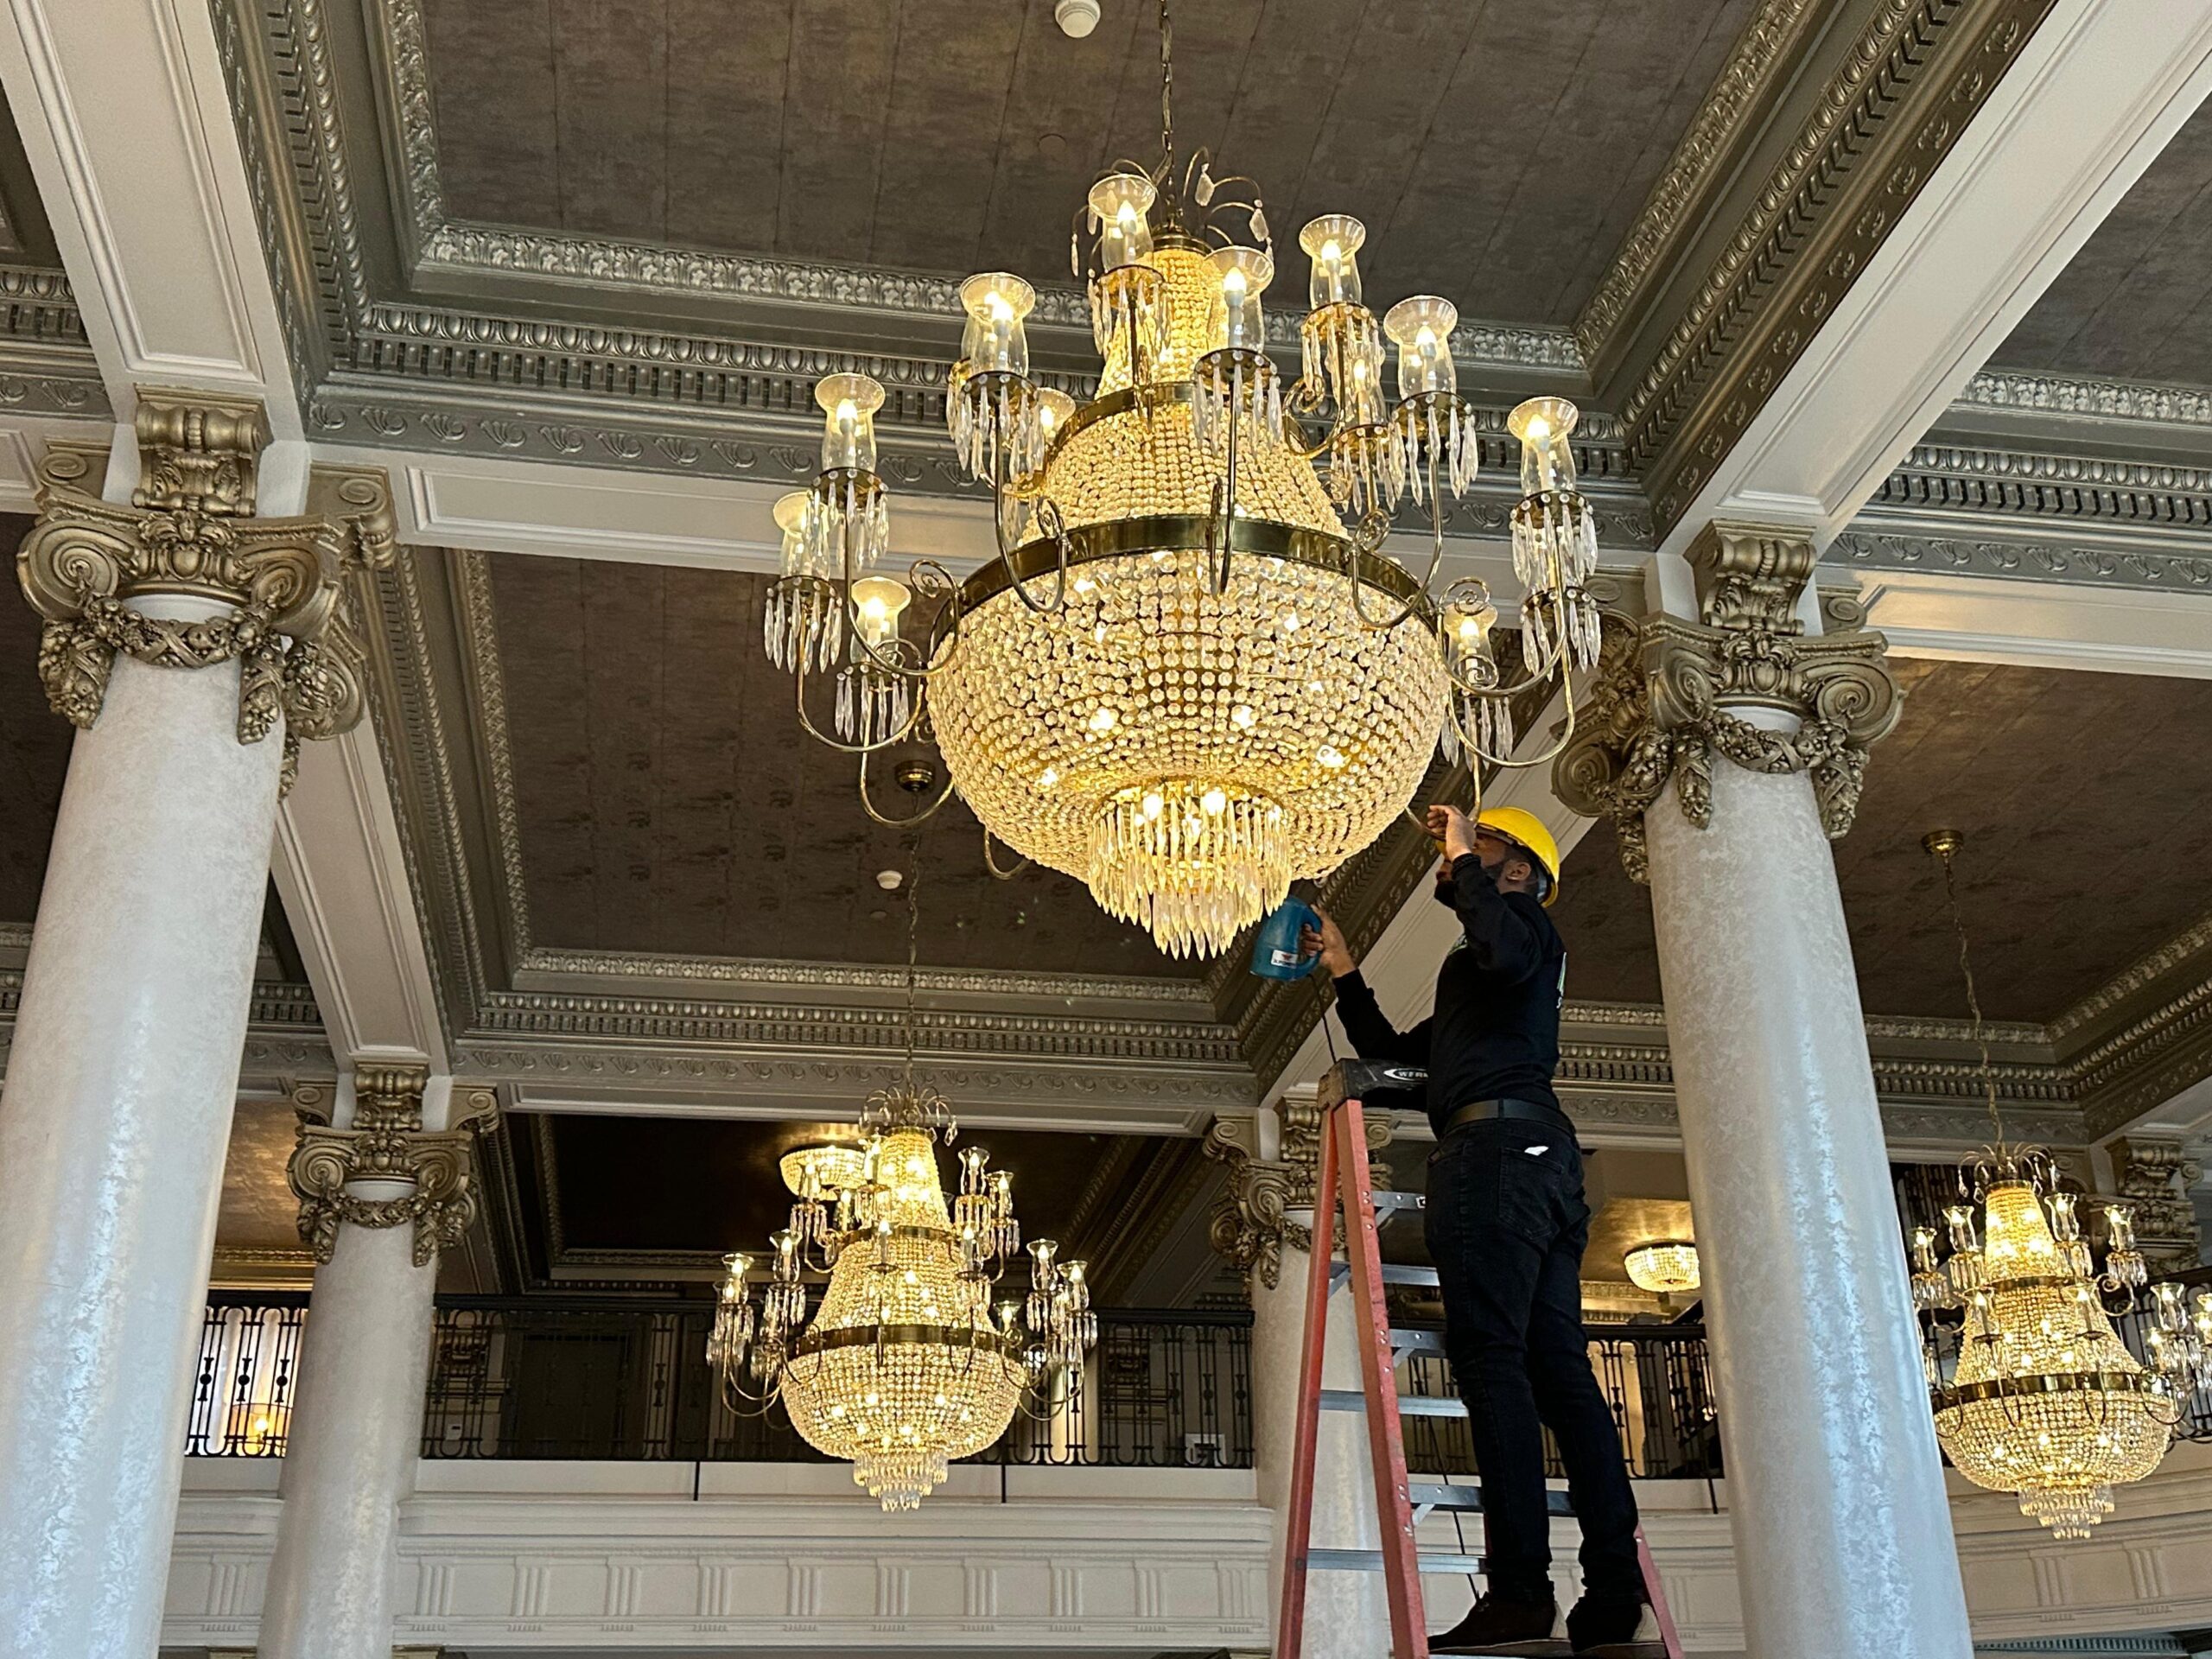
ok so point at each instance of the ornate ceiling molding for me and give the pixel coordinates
(2026, 560)
(1763, 55)
(2086, 397)
(1905, 88)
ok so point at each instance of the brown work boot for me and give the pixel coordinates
(1496, 1625)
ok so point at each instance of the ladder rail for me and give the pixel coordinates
(1298, 1524)
(1386, 1440)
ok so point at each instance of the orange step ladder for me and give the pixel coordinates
(1342, 1181)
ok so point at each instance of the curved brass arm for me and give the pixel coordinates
(922, 817)
(991, 864)
(913, 723)
(1049, 521)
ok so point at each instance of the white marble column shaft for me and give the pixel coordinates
(1842, 1531)
(120, 1085)
(1347, 1615)
(356, 1431)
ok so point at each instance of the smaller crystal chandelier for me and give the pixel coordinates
(2043, 1400)
(908, 1361)
(1665, 1267)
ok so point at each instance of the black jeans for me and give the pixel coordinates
(1506, 1225)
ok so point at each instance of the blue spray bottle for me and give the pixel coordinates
(1275, 952)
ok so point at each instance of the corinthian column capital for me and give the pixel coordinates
(190, 532)
(1744, 681)
(1252, 1220)
(385, 1169)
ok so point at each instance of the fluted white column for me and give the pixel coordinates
(120, 1085)
(1836, 1499)
(1347, 1615)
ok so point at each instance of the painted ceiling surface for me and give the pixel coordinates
(670, 802)
(2135, 301)
(2081, 796)
(1497, 153)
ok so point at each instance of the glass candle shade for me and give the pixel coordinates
(1120, 204)
(995, 341)
(1545, 428)
(849, 404)
(1332, 242)
(1421, 328)
(878, 603)
(791, 510)
(1465, 624)
(1237, 323)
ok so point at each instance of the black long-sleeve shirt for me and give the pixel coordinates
(1495, 1033)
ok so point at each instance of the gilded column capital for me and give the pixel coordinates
(2155, 1176)
(1668, 692)
(190, 531)
(387, 1170)
(1252, 1221)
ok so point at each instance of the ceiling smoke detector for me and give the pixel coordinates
(1077, 18)
(888, 879)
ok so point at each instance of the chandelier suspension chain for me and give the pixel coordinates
(1945, 846)
(1167, 98)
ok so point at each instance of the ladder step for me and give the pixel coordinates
(1468, 1500)
(1388, 1203)
(1405, 1340)
(1371, 1561)
(1444, 1495)
(1409, 1405)
(1394, 1274)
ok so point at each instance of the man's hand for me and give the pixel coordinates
(1453, 828)
(1329, 941)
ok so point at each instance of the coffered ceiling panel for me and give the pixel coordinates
(1497, 153)
(2136, 302)
(667, 801)
(2083, 799)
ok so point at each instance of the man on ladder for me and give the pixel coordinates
(1506, 1225)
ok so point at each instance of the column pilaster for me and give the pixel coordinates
(1264, 1223)
(384, 1170)
(191, 642)
(1728, 748)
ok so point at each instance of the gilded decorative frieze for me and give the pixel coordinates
(190, 531)
(385, 1169)
(1665, 699)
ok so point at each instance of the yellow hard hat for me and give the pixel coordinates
(1525, 829)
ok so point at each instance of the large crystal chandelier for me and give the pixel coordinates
(2043, 1399)
(1190, 675)
(909, 1359)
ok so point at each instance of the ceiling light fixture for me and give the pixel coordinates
(1177, 560)
(906, 1362)
(2036, 1394)
(1665, 1267)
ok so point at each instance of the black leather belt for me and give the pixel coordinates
(1480, 1111)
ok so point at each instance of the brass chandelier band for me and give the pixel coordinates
(2012, 1388)
(1262, 538)
(919, 1336)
